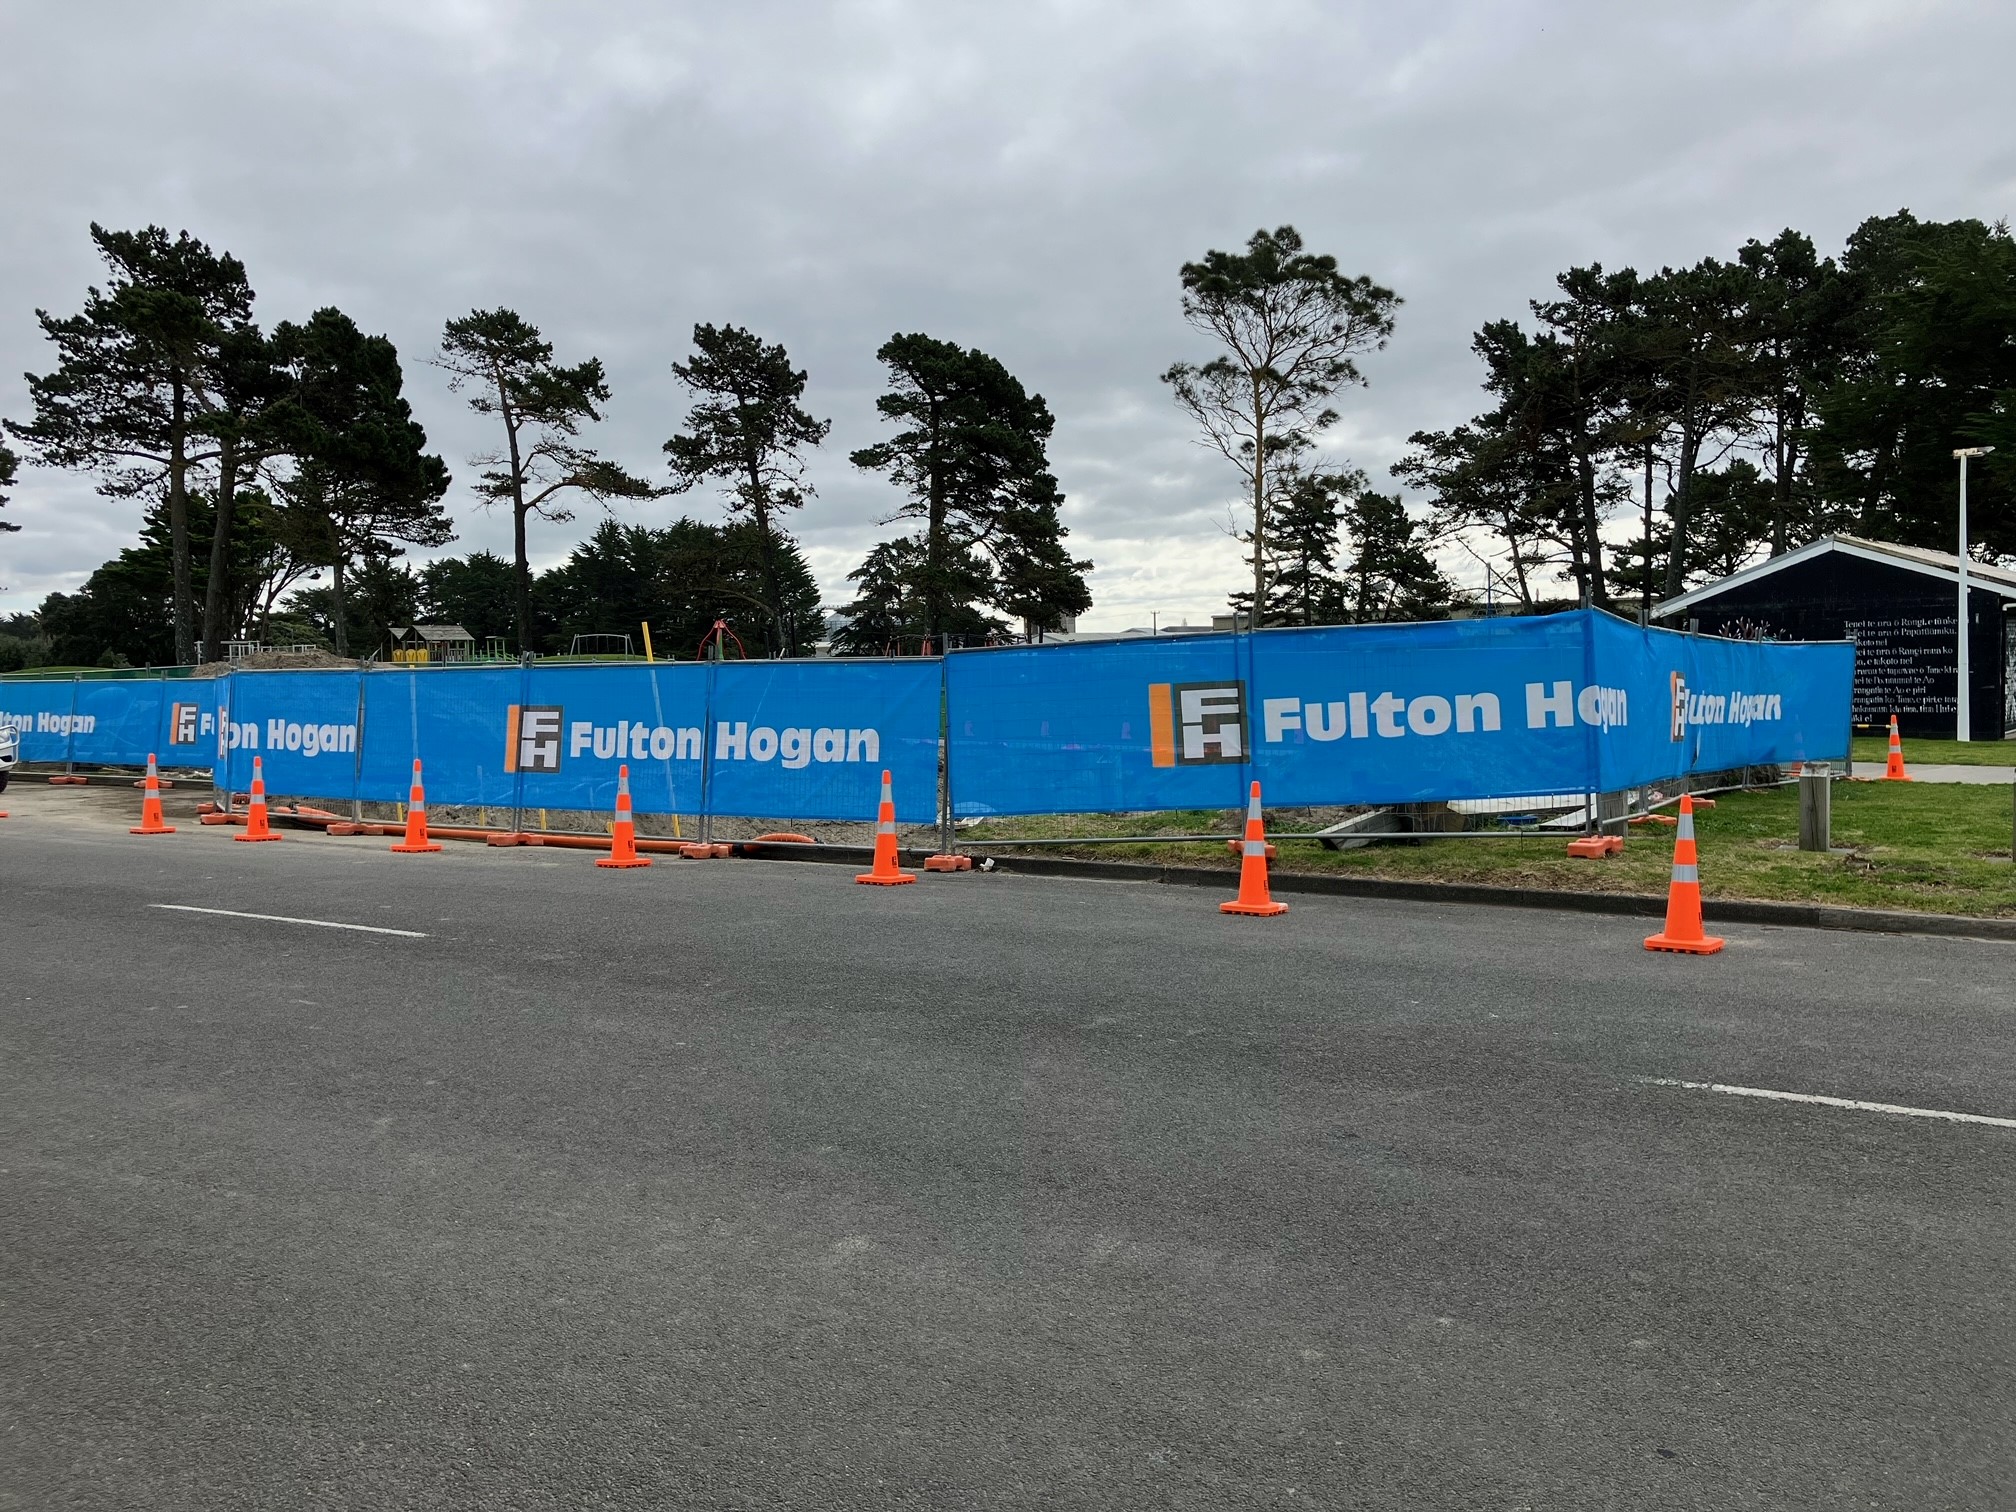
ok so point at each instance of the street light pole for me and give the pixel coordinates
(1963, 703)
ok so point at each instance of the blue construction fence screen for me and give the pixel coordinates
(1333, 716)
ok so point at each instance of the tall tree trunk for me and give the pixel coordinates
(1645, 583)
(1259, 508)
(1781, 479)
(934, 541)
(1592, 529)
(521, 584)
(216, 587)
(1872, 494)
(1578, 564)
(181, 588)
(522, 595)
(776, 635)
(1683, 507)
(1519, 572)
(340, 629)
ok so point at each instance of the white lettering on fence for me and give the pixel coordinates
(794, 747)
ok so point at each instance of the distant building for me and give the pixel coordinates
(1898, 604)
(432, 643)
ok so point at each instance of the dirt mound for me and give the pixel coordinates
(276, 661)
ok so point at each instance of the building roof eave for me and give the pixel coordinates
(1884, 553)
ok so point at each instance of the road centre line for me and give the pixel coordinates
(232, 913)
(1854, 1104)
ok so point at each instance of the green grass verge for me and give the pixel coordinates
(1942, 849)
(1875, 750)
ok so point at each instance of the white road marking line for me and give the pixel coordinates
(1854, 1104)
(232, 913)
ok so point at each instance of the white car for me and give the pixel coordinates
(10, 752)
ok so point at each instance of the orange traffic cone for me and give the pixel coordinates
(416, 839)
(1682, 934)
(623, 844)
(1253, 896)
(884, 873)
(1894, 770)
(256, 827)
(150, 806)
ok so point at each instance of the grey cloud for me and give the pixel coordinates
(1026, 179)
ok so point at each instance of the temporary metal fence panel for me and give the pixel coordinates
(567, 730)
(1379, 714)
(113, 722)
(1099, 728)
(452, 720)
(1338, 715)
(44, 712)
(810, 739)
(113, 718)
(1473, 709)
(301, 726)
(1702, 704)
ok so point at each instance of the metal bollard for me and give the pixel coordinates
(1816, 806)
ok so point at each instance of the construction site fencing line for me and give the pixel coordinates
(1502, 711)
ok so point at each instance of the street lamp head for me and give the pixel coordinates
(1972, 451)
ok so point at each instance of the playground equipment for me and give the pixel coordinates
(714, 644)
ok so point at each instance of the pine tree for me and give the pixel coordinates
(508, 370)
(749, 430)
(1304, 588)
(1292, 327)
(365, 485)
(1389, 575)
(136, 376)
(974, 464)
(888, 615)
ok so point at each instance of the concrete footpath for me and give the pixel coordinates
(489, 1179)
(1978, 776)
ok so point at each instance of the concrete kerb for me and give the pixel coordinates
(1632, 905)
(1635, 905)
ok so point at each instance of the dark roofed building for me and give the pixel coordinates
(1899, 605)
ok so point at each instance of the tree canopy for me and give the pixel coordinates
(1291, 327)
(972, 460)
(506, 369)
(1746, 405)
(136, 375)
(365, 485)
(9, 464)
(749, 430)
(679, 579)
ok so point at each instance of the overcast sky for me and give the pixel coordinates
(1026, 178)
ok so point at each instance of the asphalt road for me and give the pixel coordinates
(732, 1184)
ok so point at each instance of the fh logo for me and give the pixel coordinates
(182, 723)
(1679, 707)
(532, 738)
(1197, 724)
